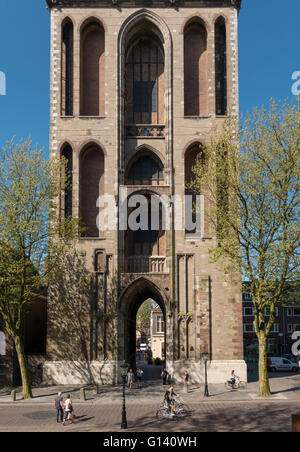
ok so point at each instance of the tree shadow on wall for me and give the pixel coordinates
(81, 308)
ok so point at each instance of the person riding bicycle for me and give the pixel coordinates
(170, 400)
(233, 379)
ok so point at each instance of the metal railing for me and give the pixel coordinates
(145, 130)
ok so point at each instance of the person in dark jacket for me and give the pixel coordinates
(58, 403)
(164, 375)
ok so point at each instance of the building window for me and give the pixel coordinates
(249, 328)
(267, 312)
(67, 69)
(293, 327)
(160, 324)
(91, 187)
(194, 155)
(248, 312)
(220, 67)
(247, 296)
(92, 94)
(275, 328)
(293, 312)
(149, 239)
(67, 197)
(145, 171)
(195, 70)
(144, 78)
(145, 97)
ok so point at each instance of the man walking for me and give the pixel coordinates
(59, 408)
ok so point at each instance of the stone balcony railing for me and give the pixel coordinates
(144, 131)
(145, 264)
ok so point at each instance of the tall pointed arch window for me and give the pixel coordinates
(91, 187)
(67, 193)
(195, 70)
(92, 99)
(67, 69)
(195, 154)
(220, 67)
(144, 78)
(146, 170)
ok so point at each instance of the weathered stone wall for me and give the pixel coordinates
(201, 301)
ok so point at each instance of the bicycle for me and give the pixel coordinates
(180, 410)
(180, 403)
(239, 384)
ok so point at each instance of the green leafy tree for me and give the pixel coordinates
(143, 317)
(29, 227)
(251, 182)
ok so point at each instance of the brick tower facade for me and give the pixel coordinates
(136, 89)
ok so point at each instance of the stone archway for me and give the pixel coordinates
(130, 301)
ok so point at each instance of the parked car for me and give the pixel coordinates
(279, 364)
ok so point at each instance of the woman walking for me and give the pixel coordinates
(68, 407)
(139, 374)
(130, 377)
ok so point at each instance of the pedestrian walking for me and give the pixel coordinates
(130, 377)
(68, 407)
(139, 374)
(164, 375)
(59, 406)
(186, 381)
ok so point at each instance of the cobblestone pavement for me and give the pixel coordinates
(205, 416)
(285, 386)
(222, 411)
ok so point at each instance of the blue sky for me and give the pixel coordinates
(269, 49)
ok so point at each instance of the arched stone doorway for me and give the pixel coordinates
(130, 301)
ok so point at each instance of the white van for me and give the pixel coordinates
(278, 364)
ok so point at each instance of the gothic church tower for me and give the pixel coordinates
(136, 89)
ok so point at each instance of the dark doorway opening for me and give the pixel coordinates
(136, 297)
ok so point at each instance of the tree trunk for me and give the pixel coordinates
(264, 386)
(27, 393)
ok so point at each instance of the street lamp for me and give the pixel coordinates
(124, 368)
(206, 393)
